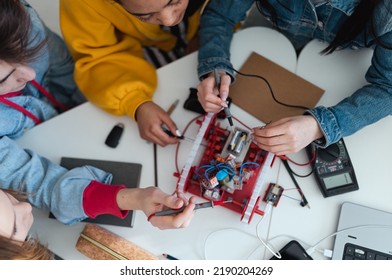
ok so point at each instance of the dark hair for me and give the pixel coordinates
(361, 19)
(15, 26)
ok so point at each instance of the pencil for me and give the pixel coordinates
(167, 256)
(172, 107)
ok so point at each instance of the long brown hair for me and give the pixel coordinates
(15, 27)
(30, 249)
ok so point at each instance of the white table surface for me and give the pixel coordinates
(81, 133)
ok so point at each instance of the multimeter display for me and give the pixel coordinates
(337, 180)
(333, 169)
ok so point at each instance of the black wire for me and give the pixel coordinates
(304, 201)
(270, 88)
(298, 175)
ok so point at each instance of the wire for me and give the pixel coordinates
(304, 201)
(296, 174)
(244, 125)
(178, 145)
(290, 237)
(266, 244)
(293, 198)
(297, 163)
(247, 163)
(313, 248)
(270, 89)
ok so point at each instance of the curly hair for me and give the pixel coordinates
(15, 26)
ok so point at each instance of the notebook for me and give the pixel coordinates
(124, 173)
(370, 237)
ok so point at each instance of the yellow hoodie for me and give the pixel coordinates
(106, 43)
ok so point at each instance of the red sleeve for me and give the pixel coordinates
(99, 198)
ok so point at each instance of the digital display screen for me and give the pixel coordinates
(337, 180)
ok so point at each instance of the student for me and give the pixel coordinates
(117, 46)
(16, 217)
(29, 57)
(343, 24)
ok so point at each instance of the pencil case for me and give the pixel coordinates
(98, 243)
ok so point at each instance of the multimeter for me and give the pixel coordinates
(333, 169)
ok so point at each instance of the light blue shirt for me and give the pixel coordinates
(49, 185)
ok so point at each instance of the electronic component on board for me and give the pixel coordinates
(273, 194)
(226, 163)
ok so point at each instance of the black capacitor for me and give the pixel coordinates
(114, 136)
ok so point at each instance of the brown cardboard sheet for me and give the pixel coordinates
(254, 96)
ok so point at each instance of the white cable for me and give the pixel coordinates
(266, 244)
(267, 210)
(312, 248)
(215, 232)
(328, 253)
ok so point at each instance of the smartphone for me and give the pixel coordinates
(293, 251)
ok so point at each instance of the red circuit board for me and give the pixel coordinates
(214, 153)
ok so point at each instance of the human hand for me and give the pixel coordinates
(151, 200)
(287, 135)
(150, 118)
(209, 97)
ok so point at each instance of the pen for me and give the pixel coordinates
(226, 109)
(197, 206)
(169, 257)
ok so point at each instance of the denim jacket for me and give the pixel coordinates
(301, 22)
(50, 186)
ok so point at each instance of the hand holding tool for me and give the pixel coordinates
(197, 206)
(226, 109)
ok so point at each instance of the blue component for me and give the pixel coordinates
(222, 175)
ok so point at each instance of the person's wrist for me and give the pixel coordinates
(315, 128)
(127, 199)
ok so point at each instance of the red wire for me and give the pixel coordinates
(178, 145)
(150, 216)
(242, 123)
(300, 164)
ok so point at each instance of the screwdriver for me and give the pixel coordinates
(197, 206)
(226, 109)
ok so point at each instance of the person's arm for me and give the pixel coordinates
(326, 125)
(48, 185)
(217, 25)
(76, 194)
(106, 43)
(99, 198)
(367, 105)
(109, 66)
